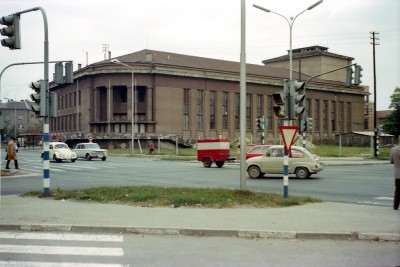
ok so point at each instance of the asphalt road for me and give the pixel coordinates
(54, 249)
(362, 184)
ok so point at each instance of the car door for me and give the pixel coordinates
(273, 161)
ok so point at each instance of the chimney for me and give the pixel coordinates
(109, 54)
(149, 57)
(79, 66)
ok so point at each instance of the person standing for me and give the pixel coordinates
(11, 154)
(395, 159)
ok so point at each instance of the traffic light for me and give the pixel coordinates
(309, 123)
(280, 100)
(349, 76)
(39, 97)
(303, 125)
(280, 104)
(260, 123)
(357, 74)
(12, 31)
(296, 99)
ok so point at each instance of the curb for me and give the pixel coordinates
(250, 234)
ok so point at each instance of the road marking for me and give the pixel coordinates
(54, 264)
(61, 236)
(61, 250)
(384, 198)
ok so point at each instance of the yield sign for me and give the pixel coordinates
(288, 135)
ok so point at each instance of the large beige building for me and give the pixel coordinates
(189, 97)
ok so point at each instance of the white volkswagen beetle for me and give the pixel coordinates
(60, 151)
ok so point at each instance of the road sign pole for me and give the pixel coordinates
(285, 174)
(288, 135)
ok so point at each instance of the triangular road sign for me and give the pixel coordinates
(288, 135)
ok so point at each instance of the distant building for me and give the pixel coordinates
(189, 97)
(17, 117)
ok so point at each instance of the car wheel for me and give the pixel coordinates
(88, 157)
(103, 159)
(302, 173)
(219, 164)
(55, 158)
(207, 162)
(254, 172)
(73, 160)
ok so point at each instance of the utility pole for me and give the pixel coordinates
(376, 137)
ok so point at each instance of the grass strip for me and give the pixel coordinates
(152, 196)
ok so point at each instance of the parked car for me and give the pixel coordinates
(257, 150)
(90, 151)
(301, 163)
(59, 151)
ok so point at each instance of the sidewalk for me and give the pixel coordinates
(311, 221)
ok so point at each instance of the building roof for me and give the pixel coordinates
(204, 64)
(310, 51)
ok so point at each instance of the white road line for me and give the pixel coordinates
(384, 198)
(61, 236)
(53, 264)
(61, 250)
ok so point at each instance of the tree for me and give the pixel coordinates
(391, 123)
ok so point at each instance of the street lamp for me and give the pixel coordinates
(290, 22)
(15, 117)
(116, 61)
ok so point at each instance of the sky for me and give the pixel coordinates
(79, 31)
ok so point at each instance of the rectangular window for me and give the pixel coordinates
(325, 114)
(316, 119)
(199, 108)
(333, 116)
(248, 112)
(237, 111)
(186, 109)
(348, 117)
(212, 110)
(270, 125)
(259, 106)
(225, 100)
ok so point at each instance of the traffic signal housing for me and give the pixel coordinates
(260, 123)
(349, 77)
(309, 122)
(39, 97)
(12, 31)
(297, 97)
(357, 75)
(280, 104)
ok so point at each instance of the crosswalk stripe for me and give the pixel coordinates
(54, 264)
(61, 250)
(61, 236)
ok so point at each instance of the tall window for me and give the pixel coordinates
(341, 117)
(248, 111)
(269, 113)
(348, 117)
(259, 106)
(237, 111)
(185, 109)
(225, 100)
(333, 116)
(325, 114)
(212, 110)
(316, 119)
(199, 108)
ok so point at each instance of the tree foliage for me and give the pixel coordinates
(391, 123)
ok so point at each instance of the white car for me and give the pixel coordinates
(301, 163)
(60, 151)
(89, 151)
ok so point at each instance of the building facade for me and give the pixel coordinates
(167, 96)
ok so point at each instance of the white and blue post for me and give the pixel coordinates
(285, 174)
(46, 161)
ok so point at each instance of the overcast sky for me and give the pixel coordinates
(206, 28)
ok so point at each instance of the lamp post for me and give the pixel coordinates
(116, 61)
(290, 22)
(15, 117)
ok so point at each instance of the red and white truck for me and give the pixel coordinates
(213, 150)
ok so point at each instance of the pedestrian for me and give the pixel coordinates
(395, 159)
(11, 154)
(151, 147)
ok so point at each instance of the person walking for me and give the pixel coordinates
(395, 159)
(11, 154)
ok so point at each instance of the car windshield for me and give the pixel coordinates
(93, 146)
(61, 146)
